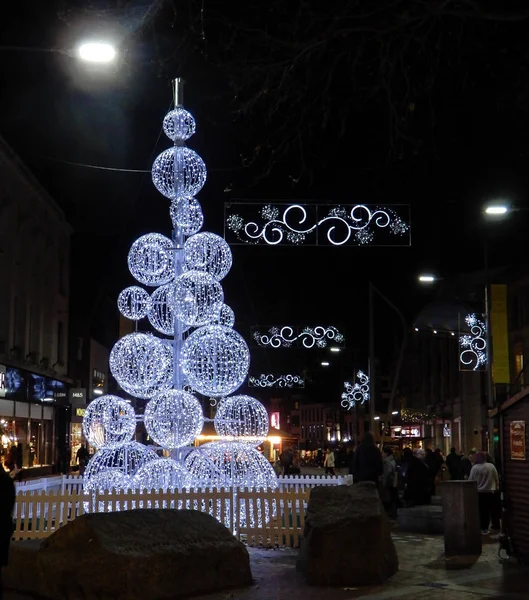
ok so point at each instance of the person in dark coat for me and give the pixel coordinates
(453, 463)
(7, 503)
(350, 459)
(418, 480)
(367, 461)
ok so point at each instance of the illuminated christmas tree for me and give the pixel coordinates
(195, 351)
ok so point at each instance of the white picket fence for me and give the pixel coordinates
(71, 483)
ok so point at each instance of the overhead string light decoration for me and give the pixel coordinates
(305, 337)
(185, 271)
(357, 393)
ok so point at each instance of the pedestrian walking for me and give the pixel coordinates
(488, 482)
(7, 503)
(418, 480)
(367, 461)
(453, 463)
(328, 463)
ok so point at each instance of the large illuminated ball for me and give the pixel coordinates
(215, 360)
(242, 416)
(106, 481)
(125, 458)
(240, 465)
(209, 253)
(162, 474)
(226, 316)
(179, 124)
(186, 213)
(139, 361)
(198, 298)
(109, 419)
(151, 259)
(203, 471)
(161, 311)
(179, 171)
(173, 418)
(134, 303)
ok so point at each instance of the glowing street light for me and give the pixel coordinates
(325, 364)
(335, 349)
(97, 52)
(496, 209)
(423, 278)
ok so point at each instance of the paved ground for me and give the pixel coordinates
(424, 575)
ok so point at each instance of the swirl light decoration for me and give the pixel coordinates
(162, 474)
(269, 380)
(181, 169)
(151, 259)
(108, 420)
(198, 298)
(215, 360)
(357, 393)
(306, 337)
(357, 224)
(473, 355)
(134, 303)
(226, 316)
(242, 417)
(173, 418)
(186, 214)
(209, 253)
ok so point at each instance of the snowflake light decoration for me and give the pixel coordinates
(473, 355)
(185, 270)
(357, 393)
(306, 337)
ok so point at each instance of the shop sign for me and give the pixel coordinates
(274, 420)
(78, 396)
(518, 440)
(405, 432)
(79, 412)
(2, 381)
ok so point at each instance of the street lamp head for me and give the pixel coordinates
(325, 364)
(496, 209)
(423, 278)
(97, 52)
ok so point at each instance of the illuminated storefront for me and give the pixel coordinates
(408, 435)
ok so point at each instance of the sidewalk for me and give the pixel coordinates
(424, 574)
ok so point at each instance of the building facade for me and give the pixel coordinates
(34, 313)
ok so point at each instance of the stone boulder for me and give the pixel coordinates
(347, 538)
(138, 554)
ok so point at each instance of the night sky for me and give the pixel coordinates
(389, 105)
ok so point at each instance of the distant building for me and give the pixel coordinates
(34, 314)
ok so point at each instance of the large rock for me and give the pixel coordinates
(347, 538)
(135, 555)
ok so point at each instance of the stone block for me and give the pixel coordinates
(347, 537)
(421, 519)
(138, 554)
(462, 533)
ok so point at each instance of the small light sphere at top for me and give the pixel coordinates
(173, 418)
(186, 213)
(107, 420)
(97, 52)
(134, 303)
(242, 417)
(226, 316)
(198, 298)
(178, 171)
(215, 360)
(179, 124)
(151, 259)
(209, 253)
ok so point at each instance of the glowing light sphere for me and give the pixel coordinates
(109, 419)
(161, 311)
(105, 481)
(125, 458)
(186, 213)
(209, 253)
(151, 259)
(240, 465)
(134, 303)
(215, 360)
(242, 416)
(198, 298)
(179, 124)
(178, 171)
(173, 418)
(226, 316)
(139, 361)
(203, 471)
(162, 474)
